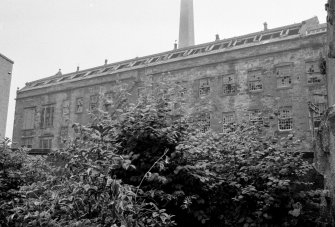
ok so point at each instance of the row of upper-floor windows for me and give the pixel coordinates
(255, 79)
(46, 117)
(284, 118)
(47, 112)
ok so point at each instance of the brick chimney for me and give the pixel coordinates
(186, 24)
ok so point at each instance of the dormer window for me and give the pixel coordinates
(266, 37)
(293, 31)
(152, 60)
(250, 40)
(240, 42)
(197, 51)
(78, 75)
(38, 84)
(64, 78)
(51, 81)
(216, 47)
(122, 66)
(175, 55)
(139, 63)
(93, 72)
(108, 69)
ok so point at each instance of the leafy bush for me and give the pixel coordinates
(83, 193)
(250, 179)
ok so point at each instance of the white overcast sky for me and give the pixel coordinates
(42, 36)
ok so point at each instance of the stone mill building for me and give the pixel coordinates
(272, 76)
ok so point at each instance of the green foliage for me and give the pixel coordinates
(251, 179)
(322, 65)
(16, 169)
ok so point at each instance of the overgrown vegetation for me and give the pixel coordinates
(148, 164)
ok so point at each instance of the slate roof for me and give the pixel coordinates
(257, 38)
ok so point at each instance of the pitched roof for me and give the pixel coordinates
(261, 37)
(4, 57)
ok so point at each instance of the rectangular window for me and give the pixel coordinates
(94, 102)
(108, 101)
(228, 84)
(255, 116)
(46, 143)
(64, 132)
(285, 121)
(228, 119)
(284, 76)
(205, 122)
(255, 80)
(66, 107)
(29, 118)
(27, 142)
(204, 87)
(313, 73)
(316, 115)
(79, 105)
(47, 116)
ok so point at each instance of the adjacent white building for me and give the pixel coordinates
(6, 66)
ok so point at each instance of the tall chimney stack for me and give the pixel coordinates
(186, 24)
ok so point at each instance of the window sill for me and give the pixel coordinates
(46, 128)
(284, 132)
(255, 91)
(315, 84)
(284, 88)
(231, 94)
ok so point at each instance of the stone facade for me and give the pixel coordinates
(324, 156)
(267, 76)
(6, 66)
